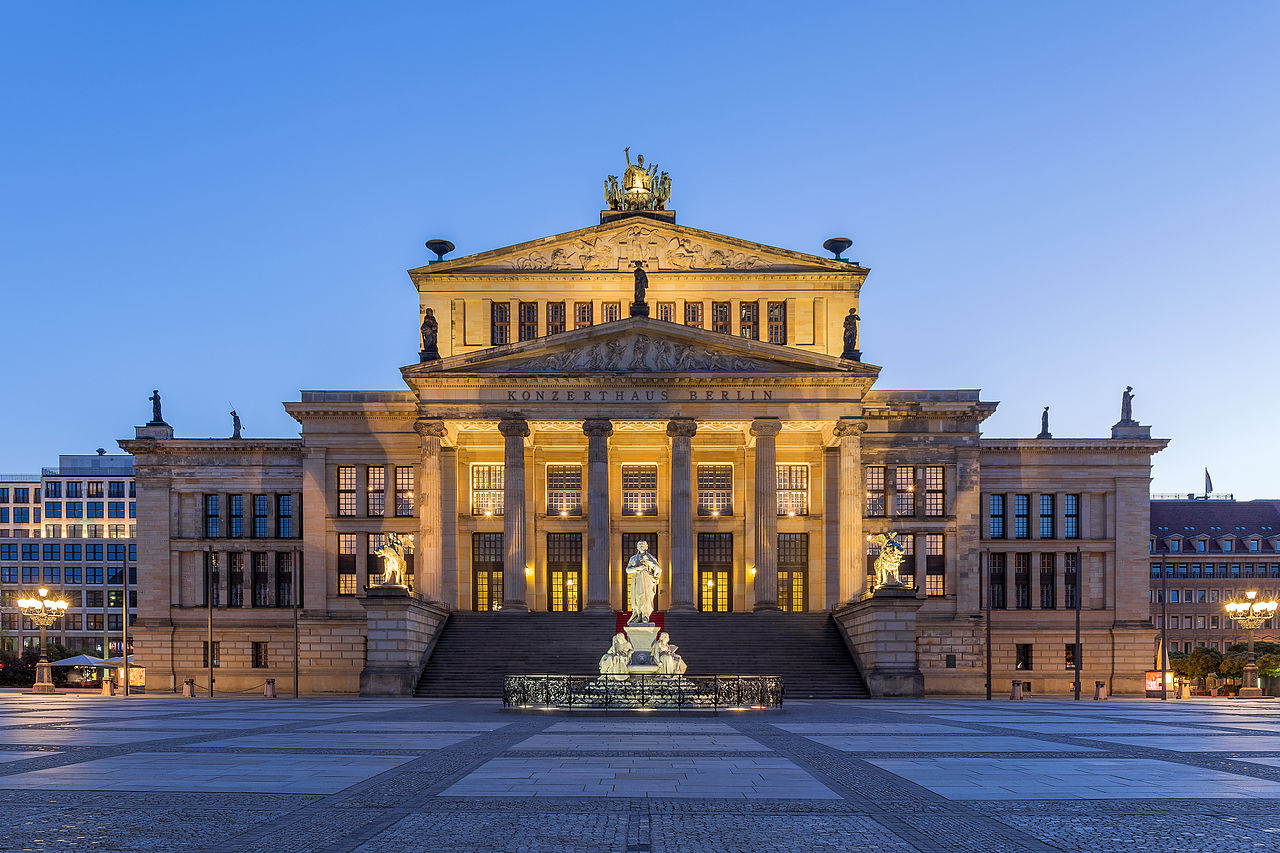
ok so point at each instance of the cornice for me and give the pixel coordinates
(1076, 445)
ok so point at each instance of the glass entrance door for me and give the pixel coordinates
(715, 572)
(564, 572)
(793, 572)
(486, 571)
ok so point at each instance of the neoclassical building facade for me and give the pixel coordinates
(560, 411)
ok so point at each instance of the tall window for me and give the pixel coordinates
(793, 490)
(376, 503)
(115, 489)
(284, 516)
(555, 318)
(1071, 580)
(376, 562)
(261, 580)
(284, 579)
(235, 507)
(499, 323)
(404, 491)
(261, 512)
(904, 482)
(667, 312)
(721, 318)
(995, 516)
(875, 491)
(564, 490)
(749, 320)
(1022, 516)
(582, 314)
(528, 329)
(346, 564)
(261, 656)
(346, 476)
(610, 312)
(487, 554)
(212, 584)
(715, 490)
(1048, 581)
(639, 489)
(996, 575)
(73, 489)
(235, 579)
(793, 571)
(935, 565)
(486, 489)
(212, 511)
(777, 322)
(217, 658)
(1046, 517)
(693, 314)
(1071, 516)
(1022, 581)
(934, 503)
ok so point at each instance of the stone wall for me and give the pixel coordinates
(402, 630)
(881, 634)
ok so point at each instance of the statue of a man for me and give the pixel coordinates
(643, 575)
(156, 417)
(642, 282)
(235, 424)
(1044, 421)
(637, 178)
(851, 335)
(614, 661)
(1126, 405)
(430, 330)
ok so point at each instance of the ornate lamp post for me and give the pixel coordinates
(1250, 614)
(43, 612)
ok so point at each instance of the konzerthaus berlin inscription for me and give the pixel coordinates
(641, 380)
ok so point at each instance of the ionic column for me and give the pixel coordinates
(766, 432)
(682, 431)
(853, 548)
(515, 431)
(598, 431)
(428, 547)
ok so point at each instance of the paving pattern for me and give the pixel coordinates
(237, 775)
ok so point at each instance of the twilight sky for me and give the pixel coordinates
(1055, 200)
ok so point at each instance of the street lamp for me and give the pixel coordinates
(1250, 614)
(43, 612)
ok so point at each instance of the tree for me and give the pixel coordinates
(1269, 664)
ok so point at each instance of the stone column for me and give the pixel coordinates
(682, 431)
(766, 512)
(428, 546)
(598, 431)
(515, 431)
(853, 547)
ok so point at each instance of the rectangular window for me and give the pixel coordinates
(93, 553)
(1070, 651)
(53, 489)
(95, 510)
(777, 322)
(875, 491)
(610, 312)
(583, 314)
(715, 570)
(528, 321)
(1022, 581)
(793, 490)
(115, 531)
(51, 552)
(904, 482)
(115, 489)
(4, 495)
(1071, 516)
(74, 490)
(693, 314)
(639, 489)
(115, 553)
(235, 509)
(749, 320)
(1048, 581)
(1046, 517)
(346, 564)
(261, 512)
(667, 312)
(284, 516)
(75, 509)
(31, 574)
(934, 503)
(72, 553)
(217, 657)
(715, 490)
(404, 491)
(346, 477)
(1022, 516)
(9, 574)
(487, 555)
(261, 579)
(52, 574)
(260, 656)
(486, 489)
(1022, 656)
(1071, 580)
(235, 577)
(995, 516)
(721, 318)
(21, 496)
(212, 516)
(53, 509)
(376, 503)
(555, 318)
(94, 489)
(996, 569)
(71, 574)
(935, 565)
(499, 323)
(793, 572)
(376, 563)
(564, 490)
(31, 552)
(284, 580)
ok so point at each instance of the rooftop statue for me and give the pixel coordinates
(235, 424)
(1126, 406)
(643, 575)
(642, 188)
(851, 351)
(156, 416)
(1044, 424)
(430, 330)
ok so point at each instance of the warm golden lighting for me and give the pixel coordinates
(564, 513)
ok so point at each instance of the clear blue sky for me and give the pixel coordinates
(1055, 200)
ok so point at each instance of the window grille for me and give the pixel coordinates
(793, 490)
(486, 489)
(715, 490)
(564, 490)
(639, 489)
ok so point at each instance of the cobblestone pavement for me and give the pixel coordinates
(235, 775)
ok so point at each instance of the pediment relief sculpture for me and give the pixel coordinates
(639, 353)
(613, 250)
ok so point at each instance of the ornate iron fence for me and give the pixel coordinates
(605, 692)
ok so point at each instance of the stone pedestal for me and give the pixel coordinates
(401, 630)
(641, 638)
(1249, 683)
(44, 679)
(881, 633)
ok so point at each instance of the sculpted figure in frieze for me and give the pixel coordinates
(638, 242)
(639, 353)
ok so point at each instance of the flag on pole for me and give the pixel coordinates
(1208, 483)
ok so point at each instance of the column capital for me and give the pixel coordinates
(682, 427)
(596, 427)
(766, 426)
(429, 428)
(514, 427)
(849, 426)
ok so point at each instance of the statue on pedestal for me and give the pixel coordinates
(886, 565)
(615, 660)
(851, 351)
(1044, 424)
(393, 563)
(235, 424)
(156, 416)
(643, 574)
(430, 331)
(1126, 406)
(664, 655)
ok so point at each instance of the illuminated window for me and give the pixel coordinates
(555, 318)
(904, 483)
(404, 491)
(793, 572)
(346, 476)
(793, 490)
(499, 323)
(875, 491)
(486, 489)
(528, 321)
(715, 490)
(935, 565)
(639, 489)
(721, 318)
(376, 562)
(933, 496)
(94, 490)
(693, 314)
(487, 554)
(346, 564)
(376, 503)
(777, 322)
(582, 314)
(715, 569)
(564, 490)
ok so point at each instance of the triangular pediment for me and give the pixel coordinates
(639, 345)
(612, 246)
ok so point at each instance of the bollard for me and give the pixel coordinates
(270, 689)
(1015, 691)
(108, 687)
(189, 688)
(1099, 690)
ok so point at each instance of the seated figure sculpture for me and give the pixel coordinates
(614, 661)
(664, 655)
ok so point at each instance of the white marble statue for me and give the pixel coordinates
(615, 660)
(664, 655)
(644, 573)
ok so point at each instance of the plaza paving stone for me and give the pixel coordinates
(249, 775)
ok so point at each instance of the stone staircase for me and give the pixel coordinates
(475, 650)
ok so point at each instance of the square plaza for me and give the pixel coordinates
(395, 775)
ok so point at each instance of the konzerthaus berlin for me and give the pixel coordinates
(565, 406)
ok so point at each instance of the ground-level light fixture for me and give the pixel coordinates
(1250, 614)
(43, 611)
